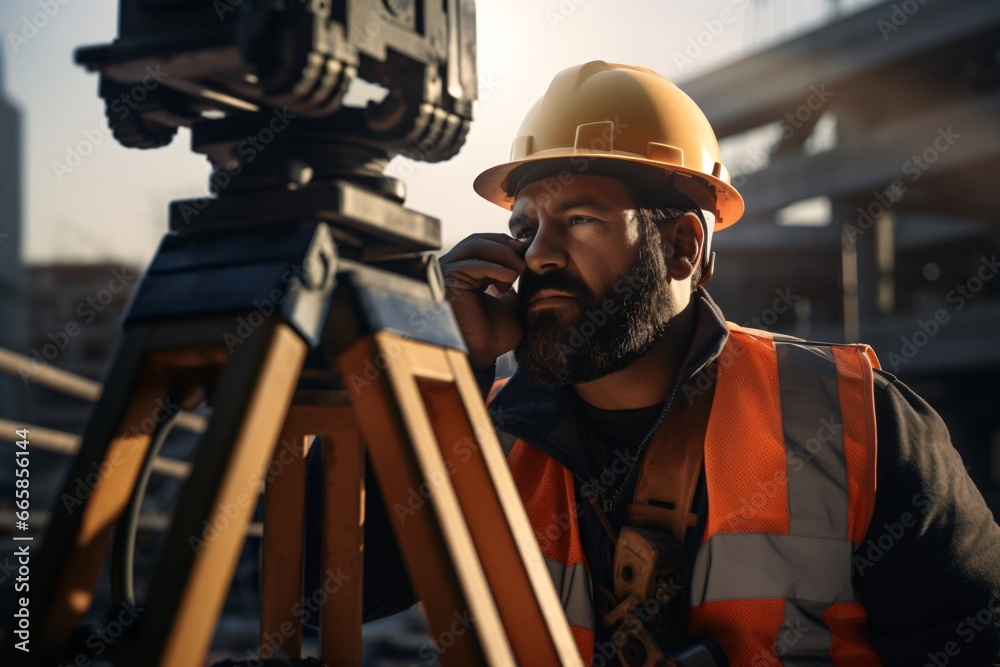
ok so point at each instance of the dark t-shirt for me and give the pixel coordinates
(610, 437)
(610, 434)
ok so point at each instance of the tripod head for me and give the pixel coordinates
(261, 84)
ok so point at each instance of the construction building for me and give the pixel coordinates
(866, 152)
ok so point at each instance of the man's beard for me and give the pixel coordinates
(615, 326)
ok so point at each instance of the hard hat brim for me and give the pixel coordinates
(492, 183)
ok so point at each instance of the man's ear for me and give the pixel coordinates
(683, 243)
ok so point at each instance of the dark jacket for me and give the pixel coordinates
(928, 573)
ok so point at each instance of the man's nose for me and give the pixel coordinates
(547, 251)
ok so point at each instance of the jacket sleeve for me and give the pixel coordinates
(928, 572)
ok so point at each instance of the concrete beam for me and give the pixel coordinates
(858, 167)
(760, 88)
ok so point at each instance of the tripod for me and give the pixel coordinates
(296, 312)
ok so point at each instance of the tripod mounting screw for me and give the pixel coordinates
(321, 264)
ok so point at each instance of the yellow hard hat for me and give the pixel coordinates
(599, 112)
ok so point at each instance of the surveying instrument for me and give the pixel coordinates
(299, 301)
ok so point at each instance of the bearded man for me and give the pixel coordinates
(764, 467)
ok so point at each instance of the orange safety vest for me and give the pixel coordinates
(790, 473)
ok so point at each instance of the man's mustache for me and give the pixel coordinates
(531, 283)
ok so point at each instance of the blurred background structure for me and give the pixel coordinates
(867, 159)
(864, 137)
(13, 279)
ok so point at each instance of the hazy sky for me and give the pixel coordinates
(113, 204)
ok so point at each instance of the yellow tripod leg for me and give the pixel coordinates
(96, 492)
(196, 566)
(339, 595)
(470, 540)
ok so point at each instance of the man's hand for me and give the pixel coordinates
(479, 274)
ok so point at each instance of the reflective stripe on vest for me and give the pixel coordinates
(789, 464)
(574, 588)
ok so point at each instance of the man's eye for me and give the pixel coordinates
(580, 219)
(524, 234)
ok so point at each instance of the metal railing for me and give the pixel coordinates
(60, 442)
